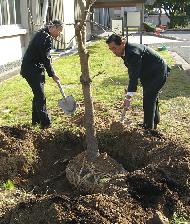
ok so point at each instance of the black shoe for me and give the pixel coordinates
(153, 133)
(35, 123)
(155, 126)
(45, 126)
(141, 125)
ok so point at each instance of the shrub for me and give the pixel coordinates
(149, 27)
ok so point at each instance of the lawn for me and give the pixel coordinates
(109, 80)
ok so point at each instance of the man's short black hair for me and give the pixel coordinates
(114, 38)
(56, 22)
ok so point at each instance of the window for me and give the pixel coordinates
(10, 12)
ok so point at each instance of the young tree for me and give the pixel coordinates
(80, 31)
(87, 170)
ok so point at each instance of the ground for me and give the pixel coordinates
(156, 179)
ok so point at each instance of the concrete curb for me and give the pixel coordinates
(180, 62)
(185, 29)
(9, 74)
(163, 36)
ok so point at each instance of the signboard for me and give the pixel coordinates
(117, 26)
(134, 19)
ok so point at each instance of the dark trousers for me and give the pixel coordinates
(39, 111)
(150, 102)
(151, 110)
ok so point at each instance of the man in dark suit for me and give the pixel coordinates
(145, 64)
(36, 60)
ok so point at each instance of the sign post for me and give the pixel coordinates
(134, 19)
(117, 26)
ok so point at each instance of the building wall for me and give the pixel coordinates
(13, 32)
(11, 44)
(69, 20)
(102, 16)
(154, 19)
(14, 38)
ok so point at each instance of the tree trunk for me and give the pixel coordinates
(92, 145)
(159, 17)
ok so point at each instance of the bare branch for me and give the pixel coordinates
(84, 14)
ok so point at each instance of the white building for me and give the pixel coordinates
(108, 10)
(154, 19)
(13, 30)
(19, 19)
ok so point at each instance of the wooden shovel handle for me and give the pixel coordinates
(123, 114)
(61, 89)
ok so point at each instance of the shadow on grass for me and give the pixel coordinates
(114, 81)
(177, 85)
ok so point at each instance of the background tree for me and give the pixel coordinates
(174, 9)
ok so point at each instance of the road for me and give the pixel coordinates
(181, 47)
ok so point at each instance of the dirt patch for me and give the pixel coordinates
(157, 177)
(116, 127)
(17, 152)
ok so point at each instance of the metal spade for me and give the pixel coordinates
(68, 103)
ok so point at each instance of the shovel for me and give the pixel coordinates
(68, 103)
(117, 126)
(123, 115)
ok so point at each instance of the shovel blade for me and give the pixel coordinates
(68, 104)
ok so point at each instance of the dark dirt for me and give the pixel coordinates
(157, 177)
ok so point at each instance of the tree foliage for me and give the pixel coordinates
(172, 7)
(175, 10)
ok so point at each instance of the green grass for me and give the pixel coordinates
(180, 219)
(8, 185)
(109, 80)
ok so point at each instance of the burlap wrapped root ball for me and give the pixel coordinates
(92, 176)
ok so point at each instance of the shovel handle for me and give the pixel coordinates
(61, 89)
(123, 114)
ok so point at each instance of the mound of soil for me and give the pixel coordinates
(17, 152)
(156, 179)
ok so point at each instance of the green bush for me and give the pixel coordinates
(179, 21)
(149, 27)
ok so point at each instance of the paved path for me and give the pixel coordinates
(178, 34)
(180, 47)
(150, 39)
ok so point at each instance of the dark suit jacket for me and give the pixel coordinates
(143, 63)
(37, 56)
